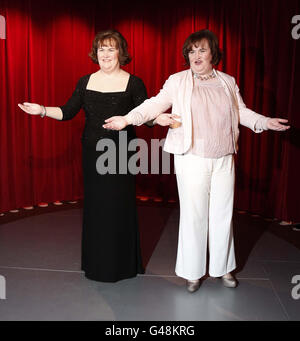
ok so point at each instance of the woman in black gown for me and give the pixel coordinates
(110, 236)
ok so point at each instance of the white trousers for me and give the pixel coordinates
(206, 193)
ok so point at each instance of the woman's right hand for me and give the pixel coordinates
(31, 108)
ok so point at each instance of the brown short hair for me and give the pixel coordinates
(118, 39)
(196, 37)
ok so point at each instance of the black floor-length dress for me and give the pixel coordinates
(110, 235)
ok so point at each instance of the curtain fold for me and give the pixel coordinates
(46, 51)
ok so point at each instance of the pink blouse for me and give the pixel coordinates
(212, 132)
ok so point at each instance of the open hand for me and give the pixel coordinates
(115, 123)
(275, 124)
(31, 108)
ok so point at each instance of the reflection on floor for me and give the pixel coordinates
(40, 262)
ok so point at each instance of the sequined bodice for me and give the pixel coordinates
(99, 106)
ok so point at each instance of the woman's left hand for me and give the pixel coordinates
(275, 124)
(165, 120)
(115, 123)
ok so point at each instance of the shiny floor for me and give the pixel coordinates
(40, 272)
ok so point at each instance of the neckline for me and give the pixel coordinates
(208, 81)
(109, 92)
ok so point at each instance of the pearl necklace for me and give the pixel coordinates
(204, 78)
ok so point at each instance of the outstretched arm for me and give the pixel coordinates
(258, 123)
(63, 113)
(164, 120)
(36, 109)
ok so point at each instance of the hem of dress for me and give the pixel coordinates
(106, 280)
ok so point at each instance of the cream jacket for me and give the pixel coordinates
(177, 93)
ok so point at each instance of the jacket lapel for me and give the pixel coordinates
(228, 88)
(188, 85)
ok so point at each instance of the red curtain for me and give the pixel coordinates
(46, 51)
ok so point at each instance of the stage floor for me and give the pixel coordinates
(40, 261)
